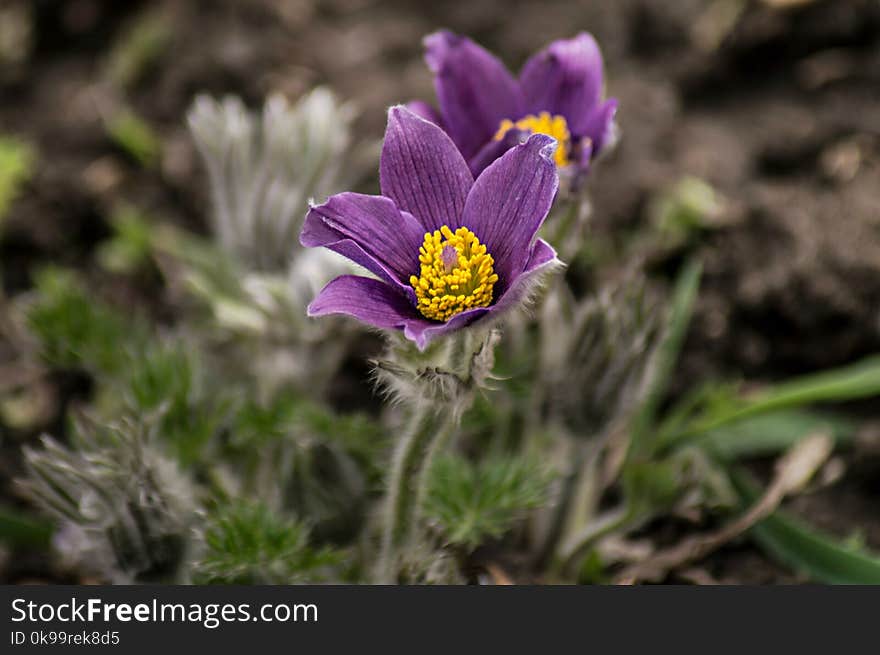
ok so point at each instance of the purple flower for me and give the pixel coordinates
(446, 250)
(486, 111)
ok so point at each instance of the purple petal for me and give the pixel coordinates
(494, 149)
(423, 331)
(580, 159)
(542, 254)
(370, 231)
(368, 300)
(599, 127)
(509, 202)
(541, 259)
(584, 153)
(427, 111)
(375, 303)
(423, 171)
(566, 79)
(476, 92)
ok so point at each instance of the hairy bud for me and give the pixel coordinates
(125, 510)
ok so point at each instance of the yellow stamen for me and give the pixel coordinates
(456, 274)
(543, 123)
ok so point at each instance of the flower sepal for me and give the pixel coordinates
(446, 374)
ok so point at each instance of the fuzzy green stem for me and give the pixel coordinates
(434, 416)
(438, 444)
(427, 428)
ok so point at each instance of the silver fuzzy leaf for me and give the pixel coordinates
(264, 169)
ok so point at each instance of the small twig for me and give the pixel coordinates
(698, 576)
(793, 471)
(499, 575)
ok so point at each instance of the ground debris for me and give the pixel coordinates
(793, 471)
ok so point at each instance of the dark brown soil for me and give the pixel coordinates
(779, 114)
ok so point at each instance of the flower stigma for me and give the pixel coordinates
(543, 123)
(456, 274)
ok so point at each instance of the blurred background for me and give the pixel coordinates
(769, 107)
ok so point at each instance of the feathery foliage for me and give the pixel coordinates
(247, 543)
(75, 329)
(469, 503)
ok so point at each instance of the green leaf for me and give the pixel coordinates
(249, 544)
(16, 167)
(141, 46)
(666, 356)
(131, 245)
(650, 485)
(76, 330)
(135, 370)
(131, 133)
(684, 210)
(795, 544)
(168, 378)
(211, 275)
(773, 433)
(470, 503)
(257, 425)
(852, 382)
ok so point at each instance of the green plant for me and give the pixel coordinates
(17, 162)
(469, 503)
(247, 543)
(135, 137)
(75, 329)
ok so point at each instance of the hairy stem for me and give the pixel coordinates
(428, 430)
(437, 445)
(447, 390)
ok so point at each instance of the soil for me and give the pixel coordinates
(777, 111)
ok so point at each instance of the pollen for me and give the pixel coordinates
(543, 123)
(456, 274)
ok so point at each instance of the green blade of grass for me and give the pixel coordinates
(852, 382)
(666, 357)
(135, 136)
(800, 547)
(17, 163)
(773, 433)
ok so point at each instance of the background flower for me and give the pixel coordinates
(486, 110)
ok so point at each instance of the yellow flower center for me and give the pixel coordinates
(456, 274)
(543, 123)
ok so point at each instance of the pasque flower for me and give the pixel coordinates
(447, 251)
(486, 110)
